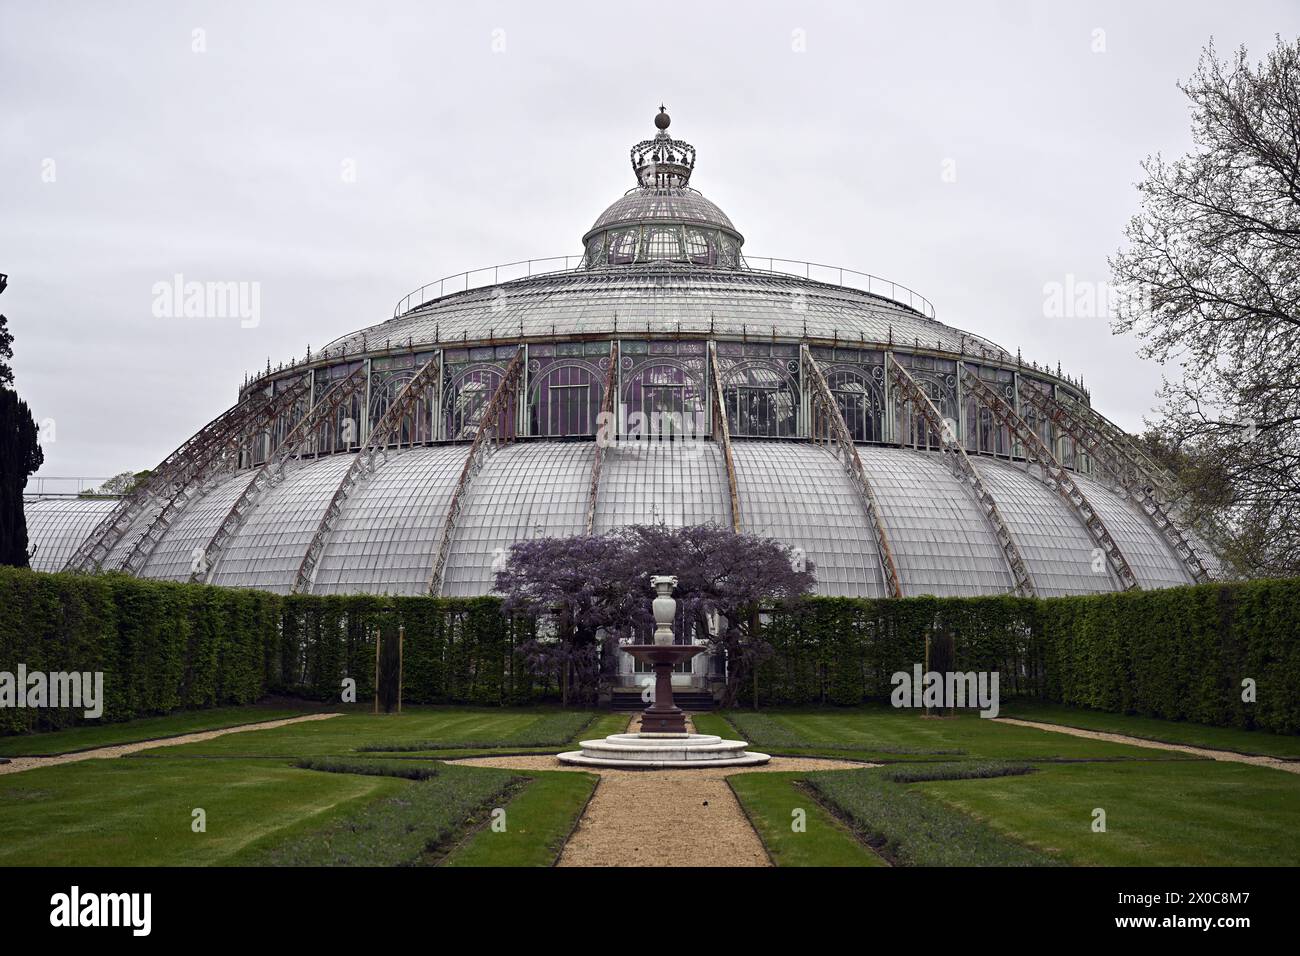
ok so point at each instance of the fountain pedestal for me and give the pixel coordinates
(663, 716)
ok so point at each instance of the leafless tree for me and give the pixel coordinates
(1215, 251)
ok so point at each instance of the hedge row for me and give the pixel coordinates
(164, 646)
(1179, 654)
(844, 650)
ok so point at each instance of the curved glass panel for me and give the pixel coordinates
(267, 551)
(679, 484)
(1153, 562)
(385, 540)
(57, 526)
(800, 495)
(1051, 539)
(942, 543)
(526, 490)
(174, 557)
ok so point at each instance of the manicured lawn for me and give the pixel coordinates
(770, 800)
(1163, 809)
(406, 827)
(1168, 731)
(124, 812)
(882, 734)
(451, 730)
(1157, 814)
(95, 735)
(910, 829)
(538, 822)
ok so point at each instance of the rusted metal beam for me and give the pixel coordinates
(1124, 468)
(826, 415)
(1119, 440)
(606, 432)
(1054, 474)
(176, 475)
(272, 470)
(497, 408)
(363, 465)
(911, 392)
(722, 432)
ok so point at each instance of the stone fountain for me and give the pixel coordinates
(663, 741)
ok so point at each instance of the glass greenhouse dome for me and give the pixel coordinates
(661, 375)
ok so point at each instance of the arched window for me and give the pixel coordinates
(761, 399)
(465, 397)
(663, 399)
(861, 402)
(564, 400)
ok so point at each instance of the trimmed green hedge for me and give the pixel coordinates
(844, 650)
(165, 646)
(1178, 654)
(161, 647)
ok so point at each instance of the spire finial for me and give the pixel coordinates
(663, 120)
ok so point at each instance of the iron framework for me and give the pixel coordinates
(826, 412)
(173, 479)
(1054, 474)
(722, 432)
(962, 467)
(363, 465)
(498, 407)
(1126, 469)
(606, 431)
(272, 470)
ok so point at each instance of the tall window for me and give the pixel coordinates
(760, 400)
(564, 401)
(663, 398)
(466, 398)
(860, 403)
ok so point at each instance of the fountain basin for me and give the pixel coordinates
(663, 751)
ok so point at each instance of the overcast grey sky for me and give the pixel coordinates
(499, 131)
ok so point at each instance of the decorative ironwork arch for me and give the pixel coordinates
(761, 397)
(467, 392)
(657, 405)
(548, 415)
(863, 406)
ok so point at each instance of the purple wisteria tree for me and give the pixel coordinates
(589, 585)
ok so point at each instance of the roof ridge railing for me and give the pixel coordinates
(485, 277)
(845, 278)
(489, 276)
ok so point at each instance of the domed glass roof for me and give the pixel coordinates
(682, 205)
(752, 368)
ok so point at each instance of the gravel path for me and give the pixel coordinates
(1290, 766)
(19, 764)
(663, 817)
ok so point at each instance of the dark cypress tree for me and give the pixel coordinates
(20, 455)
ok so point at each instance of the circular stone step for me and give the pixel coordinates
(630, 751)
